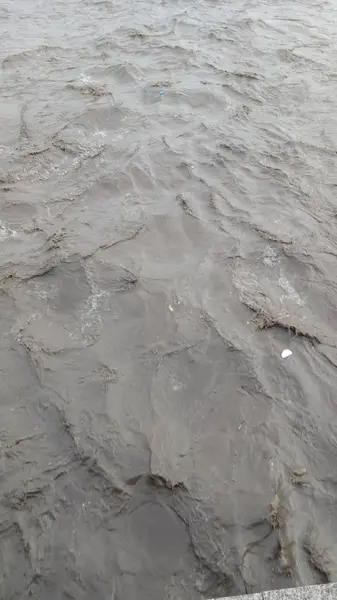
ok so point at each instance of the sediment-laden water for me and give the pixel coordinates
(168, 226)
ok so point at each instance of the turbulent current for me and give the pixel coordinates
(168, 227)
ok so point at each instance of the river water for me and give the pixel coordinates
(168, 227)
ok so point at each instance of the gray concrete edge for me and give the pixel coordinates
(311, 592)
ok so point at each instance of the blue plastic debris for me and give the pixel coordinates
(161, 92)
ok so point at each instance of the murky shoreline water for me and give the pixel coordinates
(167, 229)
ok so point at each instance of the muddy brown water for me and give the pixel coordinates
(158, 252)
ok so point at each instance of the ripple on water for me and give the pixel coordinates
(159, 251)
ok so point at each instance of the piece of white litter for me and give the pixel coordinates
(171, 308)
(286, 353)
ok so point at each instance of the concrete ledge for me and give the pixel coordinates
(311, 592)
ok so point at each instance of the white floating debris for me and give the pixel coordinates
(286, 353)
(171, 308)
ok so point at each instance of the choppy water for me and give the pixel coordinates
(158, 252)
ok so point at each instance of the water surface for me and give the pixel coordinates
(158, 252)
